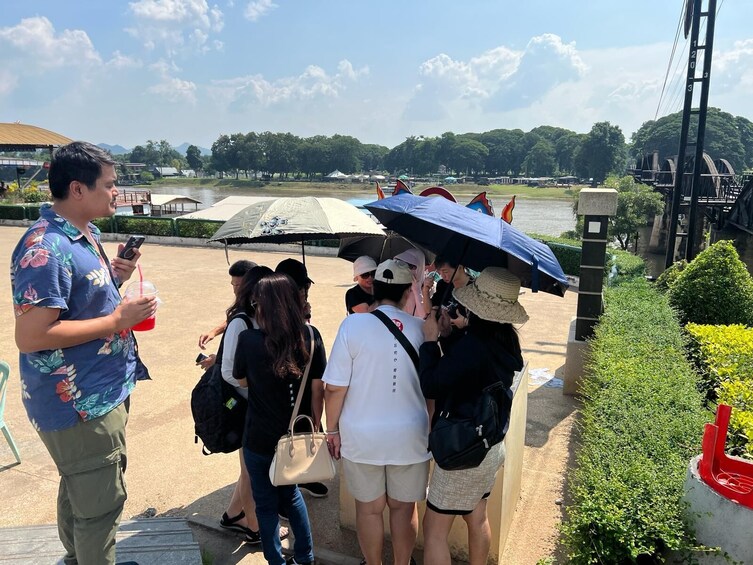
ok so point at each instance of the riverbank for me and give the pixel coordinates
(294, 188)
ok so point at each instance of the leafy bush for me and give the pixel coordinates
(665, 281)
(642, 421)
(715, 288)
(32, 194)
(105, 225)
(724, 357)
(567, 252)
(624, 266)
(10, 212)
(146, 226)
(196, 228)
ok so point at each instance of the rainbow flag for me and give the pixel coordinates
(507, 211)
(380, 192)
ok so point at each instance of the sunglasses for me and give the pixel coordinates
(369, 275)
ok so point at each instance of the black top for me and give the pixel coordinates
(456, 379)
(356, 296)
(270, 398)
(439, 299)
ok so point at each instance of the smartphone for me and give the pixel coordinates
(200, 357)
(133, 243)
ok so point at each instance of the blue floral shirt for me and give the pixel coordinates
(55, 266)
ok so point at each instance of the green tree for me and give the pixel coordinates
(221, 158)
(540, 160)
(636, 204)
(602, 152)
(193, 157)
(505, 151)
(372, 157)
(727, 137)
(469, 156)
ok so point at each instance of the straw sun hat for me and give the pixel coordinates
(493, 296)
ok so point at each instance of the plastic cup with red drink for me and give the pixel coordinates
(136, 290)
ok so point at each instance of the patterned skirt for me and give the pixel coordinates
(458, 492)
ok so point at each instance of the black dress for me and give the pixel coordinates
(356, 296)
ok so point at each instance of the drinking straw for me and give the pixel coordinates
(141, 280)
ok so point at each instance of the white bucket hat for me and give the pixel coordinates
(493, 296)
(364, 264)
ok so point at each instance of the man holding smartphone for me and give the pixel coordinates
(77, 360)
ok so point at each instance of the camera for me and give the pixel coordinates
(452, 309)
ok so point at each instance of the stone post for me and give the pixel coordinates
(596, 205)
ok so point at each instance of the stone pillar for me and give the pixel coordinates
(596, 205)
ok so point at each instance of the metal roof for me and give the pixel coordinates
(23, 137)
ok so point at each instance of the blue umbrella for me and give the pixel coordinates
(472, 239)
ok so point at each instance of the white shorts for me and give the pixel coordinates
(404, 483)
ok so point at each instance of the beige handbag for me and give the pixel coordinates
(302, 457)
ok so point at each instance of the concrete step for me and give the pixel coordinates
(149, 541)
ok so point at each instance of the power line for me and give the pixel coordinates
(671, 57)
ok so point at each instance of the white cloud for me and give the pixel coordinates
(173, 24)
(314, 82)
(175, 90)
(120, 61)
(257, 9)
(38, 47)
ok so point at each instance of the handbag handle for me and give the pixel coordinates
(305, 377)
(312, 443)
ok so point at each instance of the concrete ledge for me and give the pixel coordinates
(503, 500)
(577, 357)
(717, 520)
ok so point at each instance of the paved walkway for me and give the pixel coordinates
(166, 470)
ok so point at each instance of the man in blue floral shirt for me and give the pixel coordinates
(77, 358)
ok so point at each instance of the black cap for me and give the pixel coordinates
(296, 271)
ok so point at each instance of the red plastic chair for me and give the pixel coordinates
(731, 477)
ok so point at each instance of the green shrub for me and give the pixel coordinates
(105, 225)
(10, 212)
(567, 252)
(665, 281)
(724, 358)
(624, 266)
(145, 226)
(715, 288)
(642, 421)
(196, 228)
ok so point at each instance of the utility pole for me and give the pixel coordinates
(693, 17)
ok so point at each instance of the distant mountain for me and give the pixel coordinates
(114, 149)
(184, 146)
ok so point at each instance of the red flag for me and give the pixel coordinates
(507, 210)
(400, 188)
(380, 192)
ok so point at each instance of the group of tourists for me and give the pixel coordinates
(411, 349)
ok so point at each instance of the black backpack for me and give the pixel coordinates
(219, 412)
(462, 441)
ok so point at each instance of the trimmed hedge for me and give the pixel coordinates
(626, 266)
(196, 228)
(724, 357)
(567, 252)
(642, 422)
(10, 212)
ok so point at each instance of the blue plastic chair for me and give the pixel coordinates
(4, 374)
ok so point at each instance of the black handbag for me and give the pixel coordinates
(460, 441)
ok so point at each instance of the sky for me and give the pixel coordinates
(190, 70)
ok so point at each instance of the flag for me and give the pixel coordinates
(401, 188)
(380, 192)
(507, 210)
(481, 204)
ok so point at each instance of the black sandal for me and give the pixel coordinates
(254, 537)
(231, 524)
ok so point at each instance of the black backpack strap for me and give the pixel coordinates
(249, 324)
(407, 345)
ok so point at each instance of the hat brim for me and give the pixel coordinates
(486, 309)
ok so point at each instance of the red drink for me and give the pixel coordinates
(145, 325)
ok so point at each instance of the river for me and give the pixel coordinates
(546, 217)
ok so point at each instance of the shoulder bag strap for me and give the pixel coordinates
(303, 381)
(407, 345)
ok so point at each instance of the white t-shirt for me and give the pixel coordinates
(384, 420)
(233, 330)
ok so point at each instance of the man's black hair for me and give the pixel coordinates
(441, 260)
(78, 161)
(240, 268)
(387, 291)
